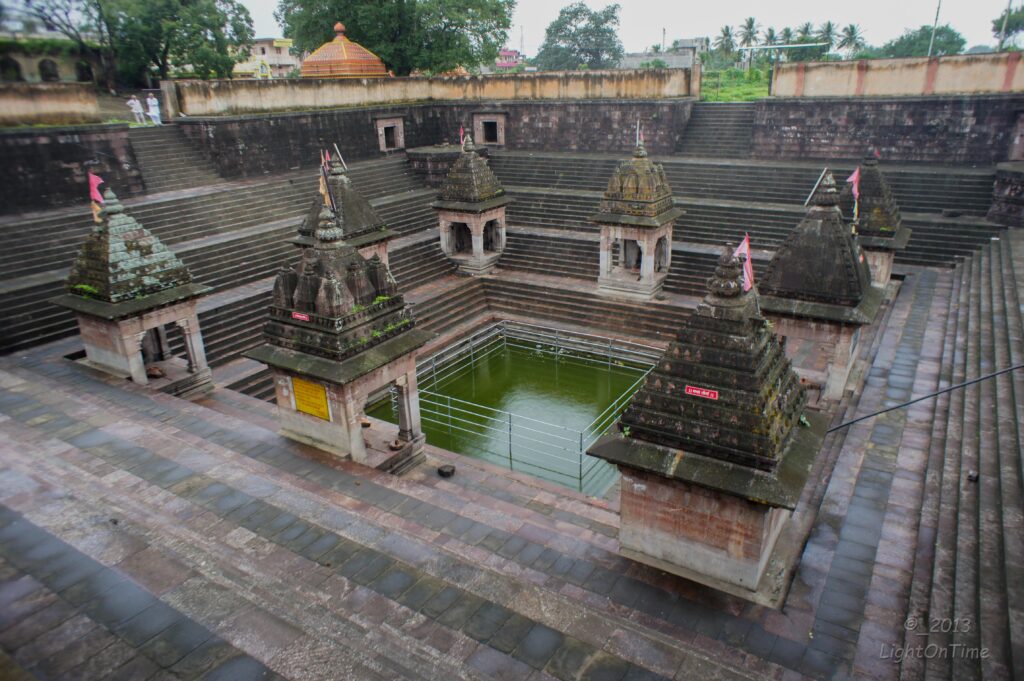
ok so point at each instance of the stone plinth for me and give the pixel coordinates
(322, 403)
(880, 251)
(433, 163)
(482, 253)
(114, 336)
(711, 521)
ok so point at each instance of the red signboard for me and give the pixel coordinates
(702, 392)
(301, 316)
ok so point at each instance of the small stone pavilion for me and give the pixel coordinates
(715, 449)
(817, 291)
(339, 331)
(361, 227)
(471, 213)
(342, 58)
(128, 292)
(636, 217)
(879, 227)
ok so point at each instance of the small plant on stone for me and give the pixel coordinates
(381, 299)
(804, 422)
(625, 431)
(85, 291)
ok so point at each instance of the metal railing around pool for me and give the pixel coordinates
(523, 443)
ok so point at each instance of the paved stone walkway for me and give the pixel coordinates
(142, 536)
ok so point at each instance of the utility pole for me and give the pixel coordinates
(935, 25)
(1002, 31)
(663, 39)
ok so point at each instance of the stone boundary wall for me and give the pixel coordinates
(46, 168)
(234, 97)
(247, 146)
(48, 104)
(966, 130)
(961, 74)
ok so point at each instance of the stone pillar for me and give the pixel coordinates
(352, 416)
(445, 227)
(132, 348)
(409, 425)
(646, 259)
(501, 233)
(194, 347)
(477, 230)
(605, 256)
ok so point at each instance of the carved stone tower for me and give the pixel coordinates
(713, 452)
(636, 216)
(339, 331)
(471, 213)
(877, 220)
(130, 293)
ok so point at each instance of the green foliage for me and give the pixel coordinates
(85, 290)
(851, 39)
(625, 431)
(380, 299)
(581, 38)
(377, 333)
(725, 42)
(408, 35)
(914, 43)
(1014, 25)
(804, 422)
(734, 85)
(654, 64)
(198, 38)
(53, 47)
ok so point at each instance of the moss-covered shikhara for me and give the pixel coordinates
(638, 194)
(878, 220)
(122, 261)
(724, 388)
(471, 185)
(336, 314)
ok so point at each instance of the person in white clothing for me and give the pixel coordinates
(136, 107)
(154, 108)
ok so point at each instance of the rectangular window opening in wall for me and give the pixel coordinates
(390, 137)
(490, 132)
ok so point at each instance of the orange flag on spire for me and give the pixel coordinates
(94, 187)
(748, 266)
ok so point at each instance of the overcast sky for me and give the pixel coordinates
(642, 20)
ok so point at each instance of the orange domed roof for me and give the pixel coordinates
(342, 58)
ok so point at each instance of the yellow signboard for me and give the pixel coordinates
(282, 42)
(310, 398)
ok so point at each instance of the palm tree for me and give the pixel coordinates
(804, 31)
(827, 34)
(851, 40)
(786, 36)
(748, 32)
(725, 42)
(770, 37)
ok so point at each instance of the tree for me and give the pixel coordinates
(87, 23)
(786, 36)
(770, 37)
(748, 32)
(725, 42)
(581, 38)
(429, 35)
(655, 49)
(1014, 25)
(851, 39)
(914, 43)
(804, 31)
(206, 37)
(827, 34)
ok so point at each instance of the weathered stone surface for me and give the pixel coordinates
(820, 261)
(1008, 201)
(470, 186)
(638, 194)
(724, 387)
(121, 260)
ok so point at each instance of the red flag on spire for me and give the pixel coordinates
(748, 266)
(855, 180)
(462, 134)
(94, 187)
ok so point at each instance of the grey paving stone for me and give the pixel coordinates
(175, 642)
(787, 653)
(512, 547)
(601, 580)
(393, 582)
(90, 587)
(373, 569)
(417, 595)
(538, 645)
(459, 613)
(119, 604)
(441, 601)
(570, 658)
(486, 621)
(605, 667)
(239, 668)
(496, 665)
(292, 532)
(326, 542)
(147, 624)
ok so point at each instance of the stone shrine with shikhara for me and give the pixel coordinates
(817, 290)
(129, 293)
(471, 213)
(636, 217)
(339, 331)
(876, 219)
(715, 449)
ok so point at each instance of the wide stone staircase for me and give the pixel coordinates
(229, 235)
(168, 161)
(548, 254)
(725, 200)
(968, 586)
(718, 130)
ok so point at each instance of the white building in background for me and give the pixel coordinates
(681, 54)
(269, 58)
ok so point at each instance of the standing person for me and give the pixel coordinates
(136, 106)
(154, 108)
